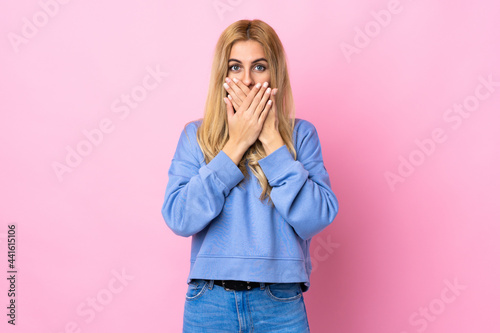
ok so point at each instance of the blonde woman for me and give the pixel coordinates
(248, 183)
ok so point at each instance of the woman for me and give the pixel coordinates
(251, 231)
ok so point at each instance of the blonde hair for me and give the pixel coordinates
(213, 132)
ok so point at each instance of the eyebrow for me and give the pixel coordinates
(253, 62)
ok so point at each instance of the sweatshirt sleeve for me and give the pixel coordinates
(301, 189)
(196, 193)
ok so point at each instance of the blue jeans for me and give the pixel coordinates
(277, 307)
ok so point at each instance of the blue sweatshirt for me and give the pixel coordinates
(235, 236)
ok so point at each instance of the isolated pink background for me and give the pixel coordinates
(396, 249)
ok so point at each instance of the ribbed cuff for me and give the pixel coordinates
(276, 162)
(225, 169)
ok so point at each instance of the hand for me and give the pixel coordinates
(237, 91)
(270, 136)
(246, 124)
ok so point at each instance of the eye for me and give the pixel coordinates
(234, 67)
(260, 68)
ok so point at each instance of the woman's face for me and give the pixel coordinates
(248, 63)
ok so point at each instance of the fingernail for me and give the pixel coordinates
(229, 96)
(226, 85)
(268, 90)
(275, 91)
(257, 85)
(265, 84)
(225, 100)
(228, 80)
(235, 80)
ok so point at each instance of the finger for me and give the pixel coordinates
(229, 108)
(259, 101)
(273, 97)
(234, 91)
(237, 94)
(265, 112)
(273, 112)
(258, 97)
(249, 99)
(235, 104)
(243, 87)
(230, 91)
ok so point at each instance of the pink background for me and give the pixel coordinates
(394, 250)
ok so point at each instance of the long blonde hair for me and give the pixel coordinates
(213, 132)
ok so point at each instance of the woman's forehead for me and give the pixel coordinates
(247, 51)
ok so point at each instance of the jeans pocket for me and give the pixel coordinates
(284, 292)
(196, 288)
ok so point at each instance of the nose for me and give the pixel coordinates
(247, 79)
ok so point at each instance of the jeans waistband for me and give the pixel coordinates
(239, 285)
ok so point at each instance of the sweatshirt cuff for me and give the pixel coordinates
(225, 170)
(276, 162)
